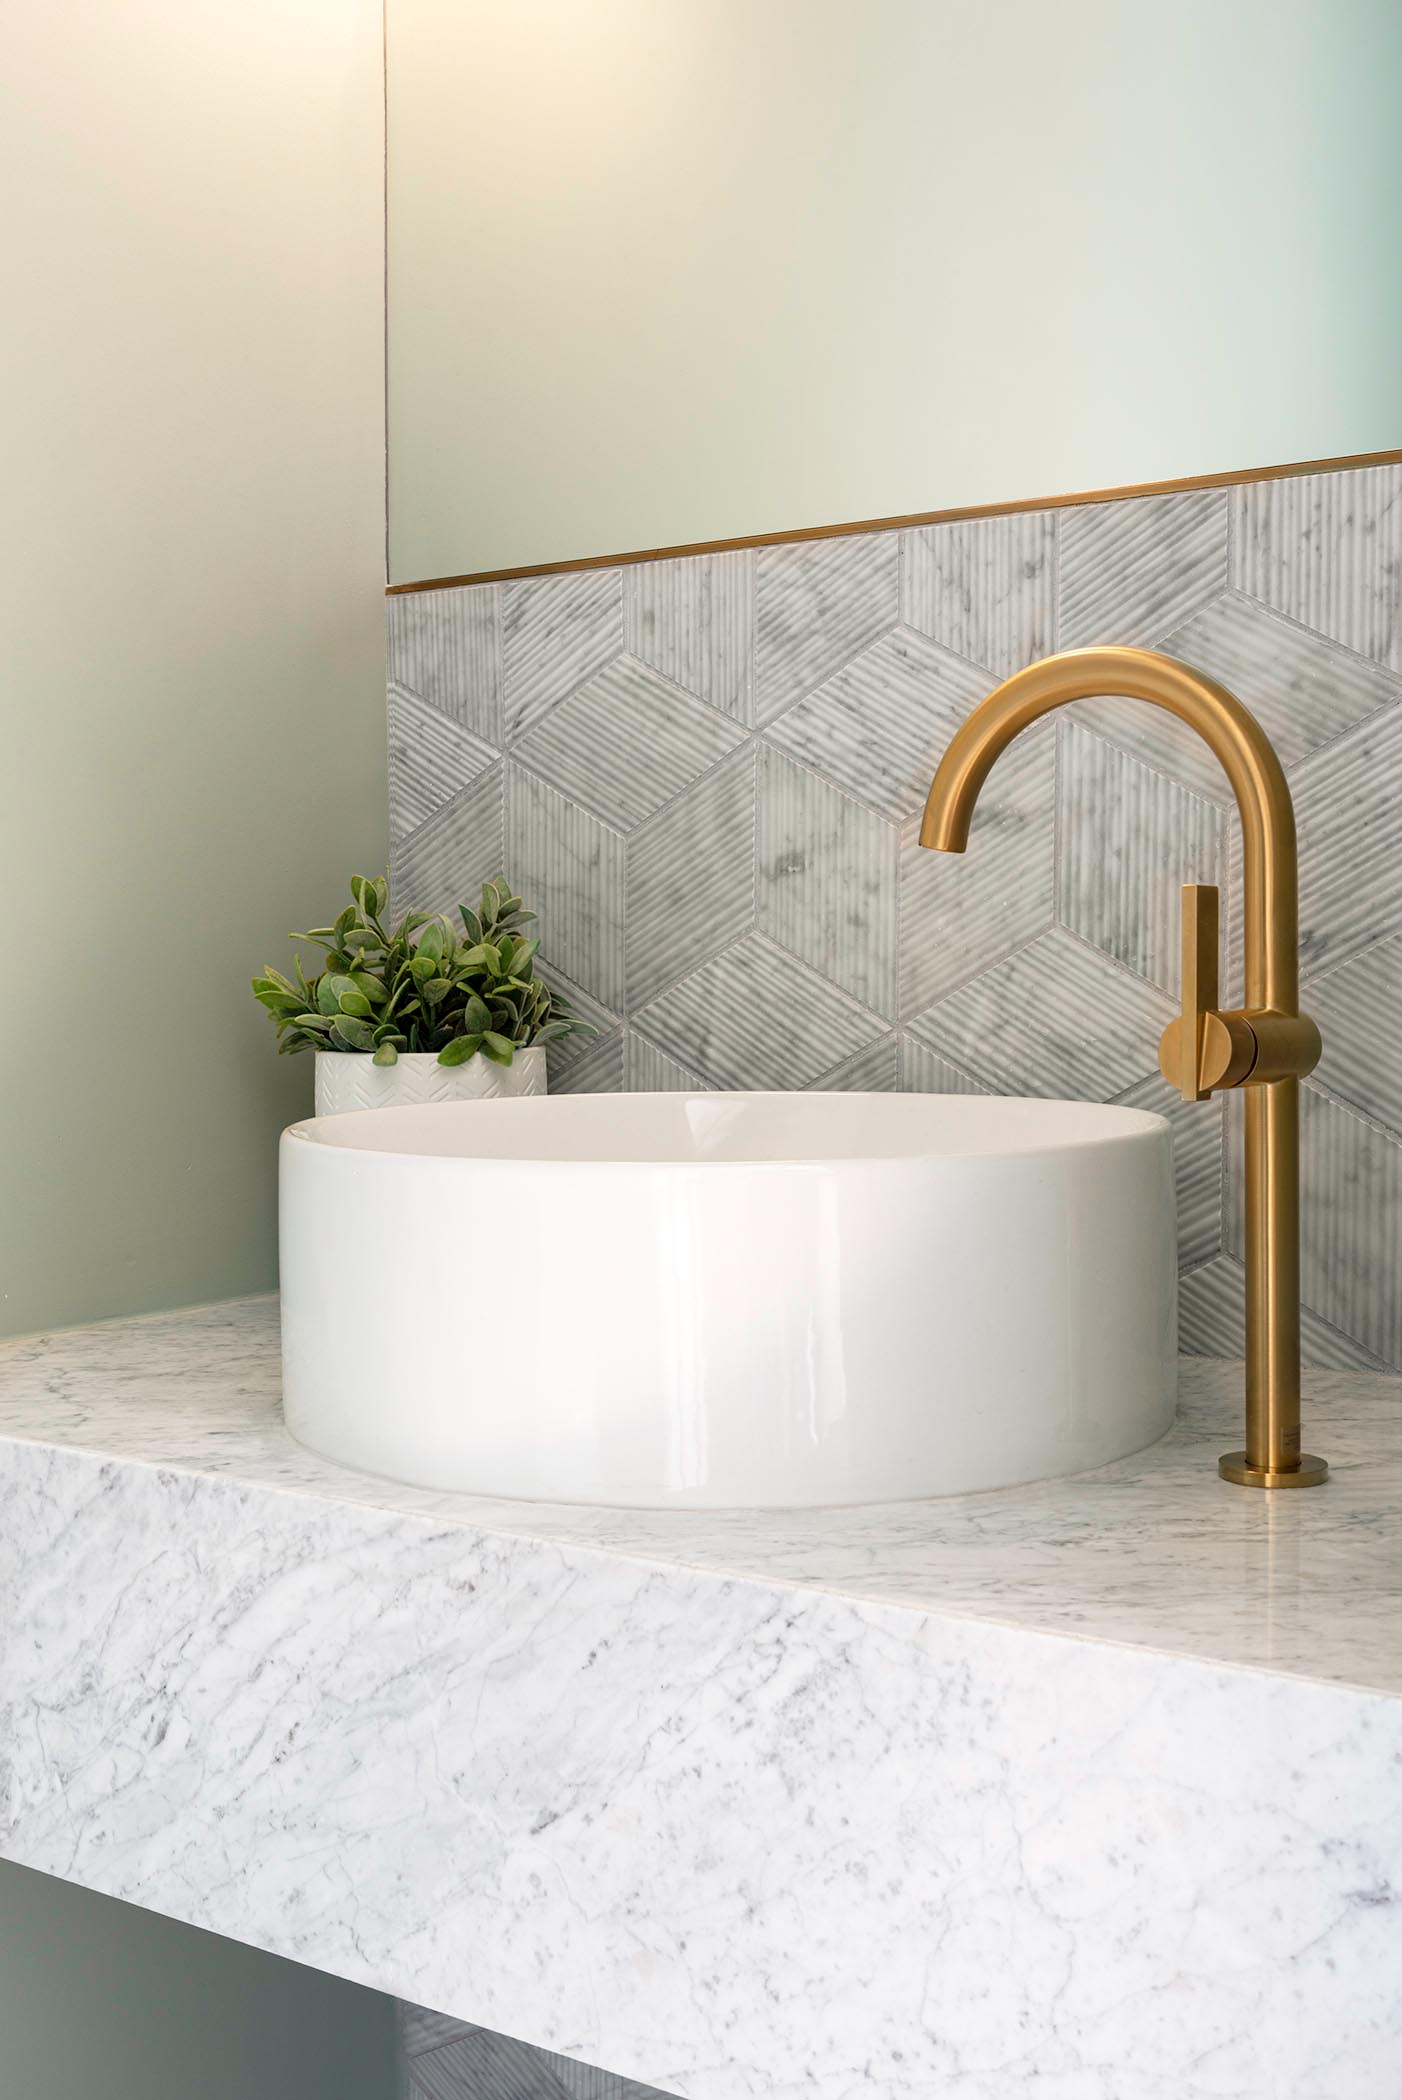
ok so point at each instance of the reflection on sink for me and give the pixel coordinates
(747, 1300)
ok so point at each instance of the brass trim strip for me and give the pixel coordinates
(922, 517)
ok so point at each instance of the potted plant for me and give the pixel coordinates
(420, 1011)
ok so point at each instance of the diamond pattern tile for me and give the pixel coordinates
(1212, 1322)
(879, 725)
(1303, 690)
(961, 911)
(871, 1071)
(569, 867)
(626, 743)
(826, 880)
(1054, 1019)
(447, 860)
(1327, 550)
(445, 2059)
(693, 621)
(652, 1071)
(725, 936)
(1348, 806)
(984, 587)
(755, 1017)
(1130, 838)
(817, 605)
(691, 879)
(445, 646)
(556, 632)
(431, 759)
(1359, 1011)
(924, 1071)
(1131, 572)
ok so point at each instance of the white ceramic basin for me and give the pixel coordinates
(702, 1300)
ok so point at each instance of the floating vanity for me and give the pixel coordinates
(1089, 1789)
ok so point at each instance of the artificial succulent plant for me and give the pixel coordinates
(422, 985)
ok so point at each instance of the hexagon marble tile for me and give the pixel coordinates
(707, 773)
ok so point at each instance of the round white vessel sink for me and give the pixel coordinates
(743, 1300)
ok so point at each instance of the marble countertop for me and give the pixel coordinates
(1154, 1551)
(1092, 1788)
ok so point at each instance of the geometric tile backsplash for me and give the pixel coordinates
(706, 774)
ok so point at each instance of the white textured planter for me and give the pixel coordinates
(348, 1079)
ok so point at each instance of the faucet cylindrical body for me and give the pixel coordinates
(1282, 1044)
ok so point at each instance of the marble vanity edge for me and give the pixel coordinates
(722, 1835)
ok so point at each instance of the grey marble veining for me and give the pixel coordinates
(708, 772)
(1089, 1789)
(1153, 1551)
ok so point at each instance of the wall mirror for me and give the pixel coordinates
(664, 273)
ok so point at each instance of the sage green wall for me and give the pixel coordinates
(663, 271)
(102, 2002)
(191, 568)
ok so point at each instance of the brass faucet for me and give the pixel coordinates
(1265, 1047)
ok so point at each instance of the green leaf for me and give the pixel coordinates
(347, 1033)
(328, 999)
(354, 1002)
(386, 1054)
(362, 937)
(435, 990)
(381, 896)
(370, 986)
(431, 942)
(460, 1050)
(497, 1048)
(472, 923)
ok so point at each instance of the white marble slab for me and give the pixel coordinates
(823, 1804)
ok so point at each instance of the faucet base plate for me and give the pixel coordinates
(1307, 1474)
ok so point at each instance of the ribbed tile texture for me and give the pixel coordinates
(1133, 571)
(652, 1071)
(985, 587)
(1348, 801)
(960, 912)
(756, 1017)
(1351, 1229)
(447, 860)
(720, 939)
(1327, 550)
(445, 646)
(570, 867)
(556, 632)
(1302, 690)
(1212, 1322)
(447, 2060)
(627, 742)
(872, 1071)
(693, 620)
(431, 758)
(924, 1071)
(827, 880)
(1359, 1011)
(816, 606)
(878, 726)
(1129, 840)
(691, 879)
(1054, 1018)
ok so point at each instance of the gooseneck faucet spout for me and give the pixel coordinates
(1265, 1047)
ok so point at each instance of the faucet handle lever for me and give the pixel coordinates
(1203, 1048)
